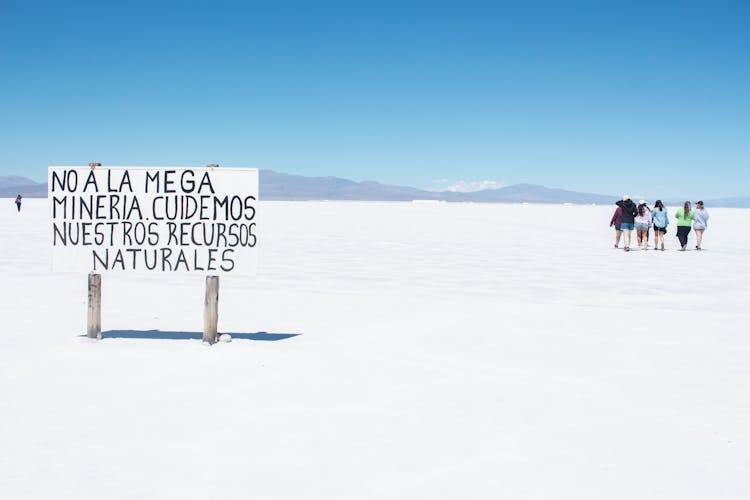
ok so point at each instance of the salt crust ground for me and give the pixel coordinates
(449, 351)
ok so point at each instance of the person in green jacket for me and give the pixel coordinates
(685, 218)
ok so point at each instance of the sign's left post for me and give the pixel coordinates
(94, 316)
(94, 320)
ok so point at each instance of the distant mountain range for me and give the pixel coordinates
(278, 186)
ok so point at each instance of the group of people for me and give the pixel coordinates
(628, 217)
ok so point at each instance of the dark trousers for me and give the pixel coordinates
(682, 234)
(19, 206)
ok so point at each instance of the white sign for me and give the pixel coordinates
(153, 220)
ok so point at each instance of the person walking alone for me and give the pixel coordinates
(18, 202)
(627, 219)
(700, 223)
(684, 218)
(660, 220)
(615, 221)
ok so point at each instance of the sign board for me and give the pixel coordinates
(153, 219)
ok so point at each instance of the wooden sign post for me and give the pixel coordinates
(211, 310)
(94, 320)
(94, 317)
(211, 302)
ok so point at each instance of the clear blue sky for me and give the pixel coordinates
(607, 96)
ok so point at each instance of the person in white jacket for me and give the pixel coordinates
(642, 224)
(700, 223)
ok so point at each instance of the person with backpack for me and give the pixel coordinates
(642, 224)
(18, 202)
(627, 219)
(700, 223)
(684, 218)
(615, 221)
(660, 220)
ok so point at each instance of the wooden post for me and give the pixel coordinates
(94, 322)
(211, 310)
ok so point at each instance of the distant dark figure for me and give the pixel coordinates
(18, 202)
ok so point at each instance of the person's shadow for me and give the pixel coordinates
(173, 335)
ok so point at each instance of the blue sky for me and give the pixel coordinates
(607, 97)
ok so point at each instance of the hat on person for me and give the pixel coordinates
(642, 202)
(699, 202)
(626, 197)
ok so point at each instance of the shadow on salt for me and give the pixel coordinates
(170, 335)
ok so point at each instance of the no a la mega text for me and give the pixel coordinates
(185, 195)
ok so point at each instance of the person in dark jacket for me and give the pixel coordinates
(615, 221)
(18, 202)
(627, 219)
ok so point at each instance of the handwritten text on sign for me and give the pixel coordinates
(153, 219)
